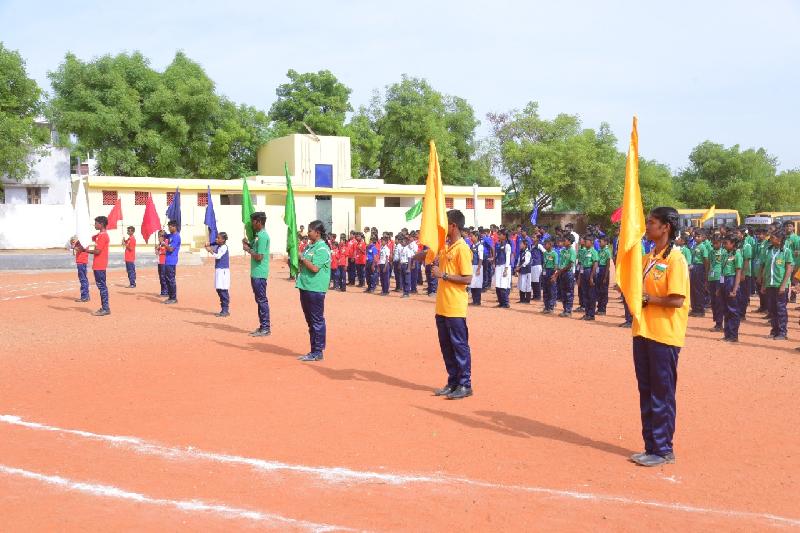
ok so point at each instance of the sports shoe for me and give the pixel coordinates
(222, 314)
(261, 333)
(460, 392)
(444, 391)
(310, 357)
(81, 300)
(102, 312)
(650, 460)
(780, 338)
(636, 456)
(565, 314)
(586, 317)
(626, 325)
(547, 311)
(170, 301)
(715, 329)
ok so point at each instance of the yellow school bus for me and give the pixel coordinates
(766, 218)
(722, 217)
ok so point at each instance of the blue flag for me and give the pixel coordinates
(174, 209)
(535, 213)
(211, 219)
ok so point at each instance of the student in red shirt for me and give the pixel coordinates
(351, 259)
(161, 252)
(130, 257)
(334, 246)
(100, 263)
(360, 255)
(81, 260)
(344, 262)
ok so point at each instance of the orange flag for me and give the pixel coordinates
(629, 255)
(433, 229)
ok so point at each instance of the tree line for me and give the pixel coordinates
(142, 122)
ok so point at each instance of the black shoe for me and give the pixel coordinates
(587, 318)
(310, 357)
(580, 309)
(564, 314)
(729, 339)
(547, 312)
(406, 296)
(459, 393)
(626, 325)
(102, 312)
(655, 460)
(82, 299)
(601, 313)
(780, 338)
(715, 329)
(170, 301)
(131, 287)
(261, 333)
(222, 314)
(444, 391)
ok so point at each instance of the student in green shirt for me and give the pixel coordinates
(730, 287)
(313, 281)
(587, 257)
(757, 265)
(565, 275)
(603, 269)
(714, 276)
(793, 244)
(775, 279)
(259, 270)
(746, 250)
(549, 264)
(698, 279)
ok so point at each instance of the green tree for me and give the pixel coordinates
(317, 99)
(20, 103)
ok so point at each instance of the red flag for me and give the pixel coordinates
(115, 215)
(150, 221)
(616, 216)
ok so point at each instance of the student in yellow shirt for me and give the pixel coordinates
(658, 335)
(454, 272)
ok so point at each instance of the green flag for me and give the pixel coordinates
(414, 212)
(290, 218)
(247, 210)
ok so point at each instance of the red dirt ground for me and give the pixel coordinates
(555, 409)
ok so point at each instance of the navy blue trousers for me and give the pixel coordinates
(342, 278)
(259, 286)
(717, 302)
(502, 296)
(601, 286)
(130, 268)
(476, 295)
(313, 304)
(454, 343)
(548, 289)
(628, 315)
(487, 273)
(224, 300)
(83, 279)
(745, 290)
(433, 283)
(731, 309)
(589, 292)
(581, 293)
(100, 281)
(398, 281)
(172, 285)
(566, 283)
(413, 276)
(372, 278)
(351, 271)
(360, 274)
(776, 304)
(162, 279)
(405, 279)
(697, 280)
(384, 271)
(656, 366)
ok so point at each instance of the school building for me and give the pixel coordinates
(323, 188)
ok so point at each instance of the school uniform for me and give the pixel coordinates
(405, 275)
(344, 262)
(714, 284)
(81, 263)
(602, 278)
(259, 272)
(658, 335)
(756, 269)
(222, 276)
(334, 265)
(130, 260)
(162, 267)
(99, 266)
(433, 283)
(476, 285)
(488, 248)
(398, 276)
(413, 267)
(733, 263)
(372, 268)
(383, 267)
(549, 264)
(351, 261)
(777, 262)
(171, 265)
(706, 286)
(502, 276)
(698, 278)
(524, 281)
(361, 262)
(313, 286)
(537, 259)
(566, 279)
(745, 286)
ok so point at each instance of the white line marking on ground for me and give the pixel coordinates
(108, 491)
(341, 474)
(34, 295)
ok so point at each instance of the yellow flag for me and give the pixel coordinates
(708, 215)
(433, 229)
(629, 255)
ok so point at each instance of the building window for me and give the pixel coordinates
(34, 195)
(230, 199)
(489, 203)
(170, 197)
(470, 203)
(448, 203)
(140, 197)
(391, 201)
(109, 197)
(202, 199)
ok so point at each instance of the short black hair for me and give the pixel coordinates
(131, 227)
(259, 216)
(223, 235)
(172, 223)
(454, 216)
(103, 221)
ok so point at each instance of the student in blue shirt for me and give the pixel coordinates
(171, 262)
(372, 261)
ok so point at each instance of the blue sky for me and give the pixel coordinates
(728, 71)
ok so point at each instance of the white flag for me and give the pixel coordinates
(83, 226)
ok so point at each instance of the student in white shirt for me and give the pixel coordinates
(476, 285)
(383, 265)
(398, 277)
(405, 276)
(524, 271)
(222, 271)
(502, 272)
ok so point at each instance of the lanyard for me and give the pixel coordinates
(650, 266)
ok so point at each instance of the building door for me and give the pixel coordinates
(325, 211)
